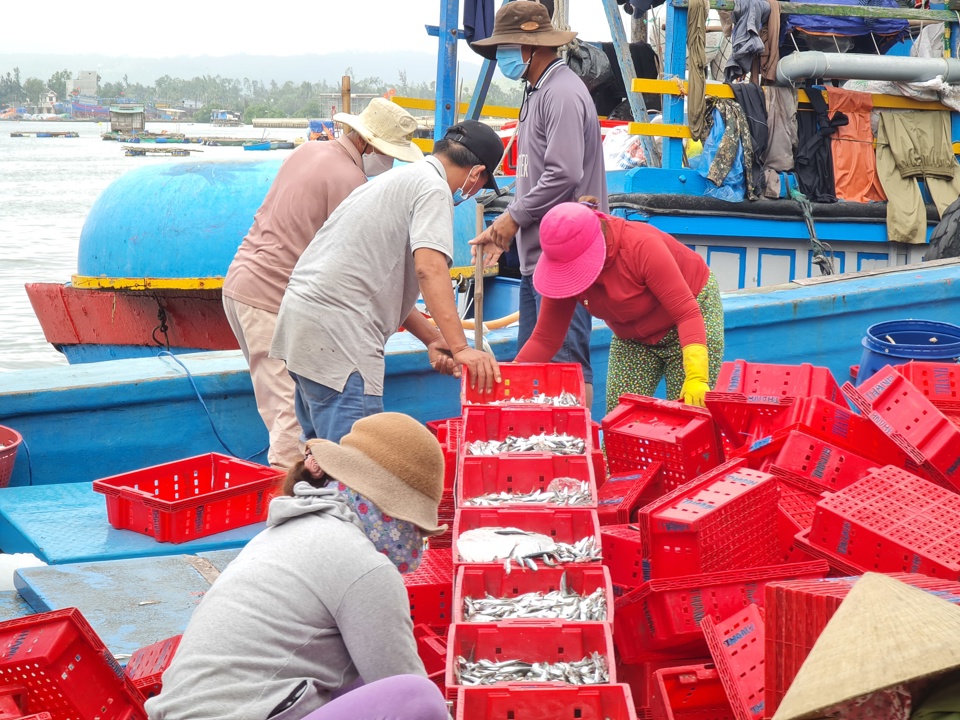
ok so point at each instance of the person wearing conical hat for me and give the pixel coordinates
(309, 186)
(559, 157)
(315, 604)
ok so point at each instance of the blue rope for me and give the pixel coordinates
(207, 410)
(23, 441)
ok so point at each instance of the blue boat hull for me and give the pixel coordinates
(115, 416)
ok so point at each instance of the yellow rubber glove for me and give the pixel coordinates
(696, 368)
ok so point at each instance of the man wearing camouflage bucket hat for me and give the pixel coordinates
(559, 156)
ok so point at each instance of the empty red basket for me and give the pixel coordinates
(664, 615)
(737, 647)
(532, 702)
(478, 581)
(940, 382)
(566, 525)
(529, 380)
(192, 498)
(145, 667)
(624, 554)
(62, 667)
(913, 422)
(482, 475)
(548, 642)
(723, 520)
(749, 399)
(691, 692)
(891, 521)
(430, 588)
(621, 495)
(642, 431)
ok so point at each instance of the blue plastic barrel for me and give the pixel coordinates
(896, 342)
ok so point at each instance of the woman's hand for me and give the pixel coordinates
(441, 359)
(696, 367)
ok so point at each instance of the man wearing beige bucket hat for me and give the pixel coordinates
(315, 602)
(559, 156)
(309, 186)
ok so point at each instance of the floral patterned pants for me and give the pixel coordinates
(638, 368)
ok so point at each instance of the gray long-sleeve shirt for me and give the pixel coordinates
(304, 609)
(559, 155)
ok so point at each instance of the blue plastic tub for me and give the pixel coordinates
(896, 342)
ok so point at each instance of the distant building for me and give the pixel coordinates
(126, 118)
(225, 118)
(48, 102)
(85, 83)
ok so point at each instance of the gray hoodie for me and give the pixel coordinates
(306, 608)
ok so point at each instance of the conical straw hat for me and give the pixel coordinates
(884, 633)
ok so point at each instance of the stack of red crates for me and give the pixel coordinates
(533, 640)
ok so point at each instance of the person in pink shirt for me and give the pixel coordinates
(658, 297)
(309, 186)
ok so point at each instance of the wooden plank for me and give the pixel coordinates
(659, 129)
(129, 603)
(722, 90)
(792, 8)
(500, 111)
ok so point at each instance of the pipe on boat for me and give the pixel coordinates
(842, 66)
(491, 324)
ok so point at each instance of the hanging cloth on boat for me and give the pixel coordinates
(736, 135)
(697, 12)
(748, 17)
(478, 18)
(911, 146)
(814, 162)
(770, 35)
(854, 159)
(782, 141)
(751, 99)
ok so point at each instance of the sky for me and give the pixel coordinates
(213, 27)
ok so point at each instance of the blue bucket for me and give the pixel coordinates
(899, 341)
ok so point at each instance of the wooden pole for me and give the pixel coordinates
(345, 94)
(478, 287)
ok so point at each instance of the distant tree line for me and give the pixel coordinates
(251, 98)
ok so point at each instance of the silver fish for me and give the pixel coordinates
(558, 604)
(554, 443)
(591, 670)
(564, 399)
(560, 491)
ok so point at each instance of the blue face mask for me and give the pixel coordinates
(459, 195)
(510, 61)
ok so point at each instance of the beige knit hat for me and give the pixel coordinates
(884, 633)
(386, 126)
(393, 461)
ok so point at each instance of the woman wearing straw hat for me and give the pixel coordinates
(309, 186)
(315, 603)
(658, 297)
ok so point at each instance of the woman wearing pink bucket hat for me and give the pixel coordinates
(657, 296)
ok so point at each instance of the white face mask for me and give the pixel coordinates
(375, 163)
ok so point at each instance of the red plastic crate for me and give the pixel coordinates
(749, 399)
(796, 612)
(692, 692)
(639, 676)
(145, 667)
(912, 422)
(664, 615)
(939, 382)
(838, 566)
(737, 647)
(446, 512)
(621, 496)
(497, 422)
(64, 669)
(624, 554)
(642, 431)
(891, 521)
(548, 641)
(536, 702)
(527, 380)
(478, 581)
(191, 498)
(790, 550)
(480, 475)
(430, 588)
(567, 525)
(798, 503)
(431, 648)
(818, 465)
(599, 463)
(723, 520)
